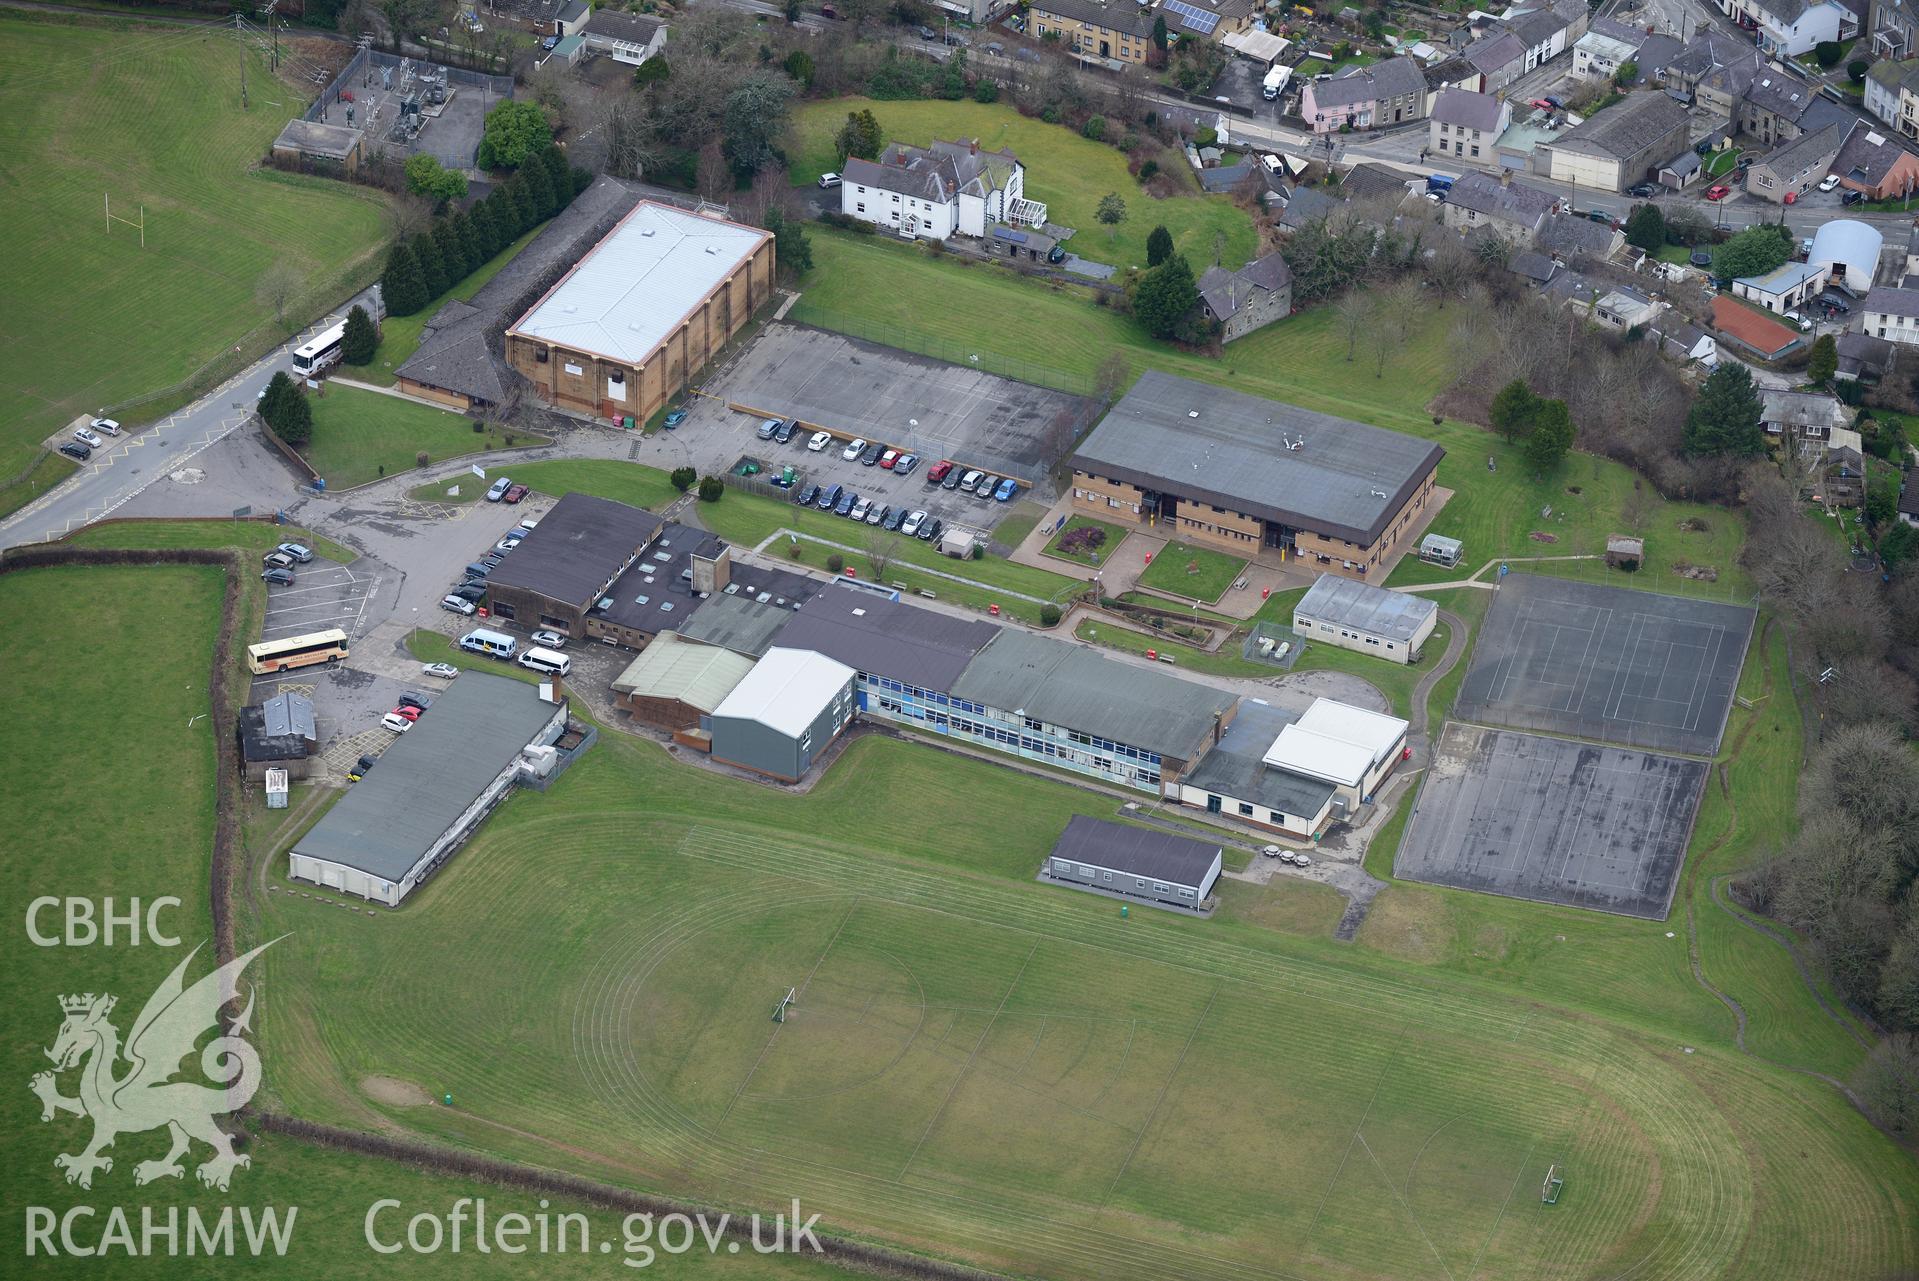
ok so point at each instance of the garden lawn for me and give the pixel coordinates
(1113, 536)
(361, 435)
(1065, 171)
(400, 335)
(1192, 573)
(150, 116)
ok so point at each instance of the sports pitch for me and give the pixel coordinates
(1552, 820)
(1606, 663)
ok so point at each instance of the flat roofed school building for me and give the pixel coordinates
(1135, 862)
(1239, 473)
(643, 311)
(430, 791)
(783, 713)
(1347, 746)
(567, 564)
(1234, 779)
(1359, 616)
(678, 576)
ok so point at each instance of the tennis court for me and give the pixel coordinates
(1607, 663)
(1553, 821)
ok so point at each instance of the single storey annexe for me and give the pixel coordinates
(1135, 862)
(1358, 616)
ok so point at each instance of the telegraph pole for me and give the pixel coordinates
(242, 46)
(266, 12)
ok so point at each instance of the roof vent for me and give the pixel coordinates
(712, 249)
(641, 600)
(1192, 413)
(646, 231)
(859, 613)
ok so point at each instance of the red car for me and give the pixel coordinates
(937, 472)
(1718, 192)
(514, 494)
(1542, 103)
(888, 458)
(407, 711)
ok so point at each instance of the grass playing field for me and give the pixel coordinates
(149, 115)
(361, 435)
(1066, 172)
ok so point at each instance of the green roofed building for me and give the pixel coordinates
(676, 683)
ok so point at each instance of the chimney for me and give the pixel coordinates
(1505, 176)
(975, 146)
(552, 689)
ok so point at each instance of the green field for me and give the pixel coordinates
(1063, 170)
(1192, 573)
(400, 335)
(149, 115)
(361, 435)
(248, 535)
(1114, 536)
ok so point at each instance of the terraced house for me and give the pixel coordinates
(1115, 30)
(1386, 93)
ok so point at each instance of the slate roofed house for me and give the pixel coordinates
(1748, 329)
(1893, 314)
(1877, 164)
(1777, 108)
(571, 19)
(1110, 30)
(1566, 236)
(1466, 124)
(1681, 170)
(1889, 87)
(1802, 415)
(1908, 508)
(1605, 46)
(1212, 19)
(1864, 358)
(1681, 340)
(1510, 210)
(1716, 69)
(1543, 32)
(1307, 205)
(1620, 145)
(454, 363)
(1532, 266)
(1499, 59)
(1389, 92)
(1251, 298)
(1369, 180)
(631, 38)
(1796, 167)
(1788, 28)
(938, 191)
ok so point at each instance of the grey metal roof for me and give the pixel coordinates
(887, 638)
(1365, 608)
(701, 676)
(622, 299)
(1080, 688)
(737, 622)
(1624, 130)
(1469, 110)
(1235, 768)
(426, 779)
(289, 713)
(577, 548)
(1136, 851)
(1208, 444)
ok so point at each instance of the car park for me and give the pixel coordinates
(445, 671)
(1007, 488)
(860, 509)
(414, 698)
(808, 494)
(673, 419)
(829, 497)
(768, 427)
(88, 437)
(1718, 191)
(829, 180)
(931, 530)
(889, 458)
(820, 440)
(845, 503)
(277, 560)
(905, 464)
(276, 576)
(854, 448)
(548, 638)
(937, 472)
(878, 515)
(955, 478)
(75, 450)
(108, 427)
(457, 604)
(299, 552)
(498, 490)
(910, 524)
(871, 455)
(894, 518)
(398, 724)
(515, 493)
(787, 428)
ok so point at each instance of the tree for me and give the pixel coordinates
(402, 286)
(295, 426)
(792, 11)
(1353, 312)
(1165, 295)
(1112, 212)
(1109, 380)
(792, 247)
(427, 177)
(753, 120)
(1725, 417)
(986, 90)
(559, 174)
(1159, 32)
(860, 136)
(711, 487)
(1829, 52)
(514, 131)
(1856, 70)
(651, 72)
(432, 266)
(1159, 246)
(1513, 409)
(1752, 252)
(879, 547)
(683, 478)
(1646, 227)
(799, 63)
(361, 340)
(275, 288)
(467, 236)
(1888, 1082)
(538, 185)
(1627, 75)
(1824, 361)
(1551, 436)
(273, 400)
(1049, 615)
(452, 252)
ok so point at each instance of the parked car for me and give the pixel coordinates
(910, 526)
(492, 561)
(1602, 216)
(515, 493)
(894, 518)
(75, 450)
(889, 458)
(871, 455)
(361, 768)
(1744, 162)
(768, 427)
(1007, 488)
(445, 671)
(787, 428)
(1718, 191)
(808, 494)
(968, 481)
(931, 530)
(828, 497)
(1833, 302)
(845, 503)
(478, 569)
(414, 698)
(854, 448)
(829, 180)
(548, 638)
(549, 43)
(276, 576)
(955, 478)
(927, 33)
(506, 544)
(937, 472)
(105, 426)
(1544, 104)
(298, 551)
(905, 464)
(1805, 325)
(411, 713)
(878, 515)
(1642, 190)
(1852, 197)
(88, 437)
(457, 603)
(820, 440)
(277, 560)
(860, 509)
(398, 724)
(498, 491)
(1023, 54)
(475, 592)
(1556, 102)
(1831, 181)
(673, 419)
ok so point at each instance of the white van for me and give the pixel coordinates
(492, 644)
(549, 661)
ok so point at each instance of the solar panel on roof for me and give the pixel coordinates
(1007, 233)
(1197, 19)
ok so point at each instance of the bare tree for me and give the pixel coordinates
(1354, 311)
(1110, 379)
(276, 288)
(1393, 321)
(879, 546)
(711, 177)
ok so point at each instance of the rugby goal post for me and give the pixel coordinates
(779, 1008)
(1549, 1190)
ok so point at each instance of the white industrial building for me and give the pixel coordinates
(1849, 251)
(1349, 747)
(783, 713)
(1359, 616)
(429, 791)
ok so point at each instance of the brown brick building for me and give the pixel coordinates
(1232, 471)
(643, 311)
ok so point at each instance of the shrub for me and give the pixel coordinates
(1206, 137)
(986, 91)
(1148, 170)
(1094, 130)
(683, 478)
(1856, 70)
(711, 488)
(1829, 52)
(1050, 114)
(847, 222)
(836, 564)
(794, 549)
(1049, 615)
(478, 426)
(1082, 540)
(420, 459)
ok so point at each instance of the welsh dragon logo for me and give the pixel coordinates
(144, 1096)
